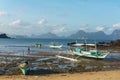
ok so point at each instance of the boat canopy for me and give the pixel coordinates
(91, 44)
(79, 44)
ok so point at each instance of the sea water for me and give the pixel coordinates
(20, 46)
(12, 45)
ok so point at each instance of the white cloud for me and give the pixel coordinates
(15, 23)
(114, 26)
(62, 31)
(48, 27)
(100, 28)
(1, 24)
(18, 23)
(3, 13)
(84, 27)
(56, 28)
(42, 21)
(56, 25)
(18, 27)
(21, 27)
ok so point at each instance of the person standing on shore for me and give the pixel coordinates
(28, 50)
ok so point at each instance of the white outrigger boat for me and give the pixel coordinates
(91, 53)
(55, 45)
(83, 50)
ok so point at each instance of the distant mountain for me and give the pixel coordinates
(99, 35)
(3, 35)
(115, 34)
(78, 35)
(48, 35)
(89, 35)
(18, 36)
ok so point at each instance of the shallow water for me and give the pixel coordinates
(20, 47)
(22, 44)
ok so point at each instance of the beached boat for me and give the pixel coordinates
(23, 67)
(85, 51)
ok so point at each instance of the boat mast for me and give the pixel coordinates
(85, 41)
(95, 45)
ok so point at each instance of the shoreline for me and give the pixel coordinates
(100, 75)
(48, 61)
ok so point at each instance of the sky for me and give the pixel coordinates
(61, 17)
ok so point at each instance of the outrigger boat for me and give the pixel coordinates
(91, 53)
(55, 45)
(85, 50)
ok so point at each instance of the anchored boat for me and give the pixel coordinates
(55, 45)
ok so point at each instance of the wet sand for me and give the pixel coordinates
(101, 75)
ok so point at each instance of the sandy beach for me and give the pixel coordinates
(101, 75)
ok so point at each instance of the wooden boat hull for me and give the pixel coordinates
(89, 55)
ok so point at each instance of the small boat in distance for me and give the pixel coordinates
(55, 45)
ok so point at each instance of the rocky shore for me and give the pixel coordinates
(49, 64)
(113, 45)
